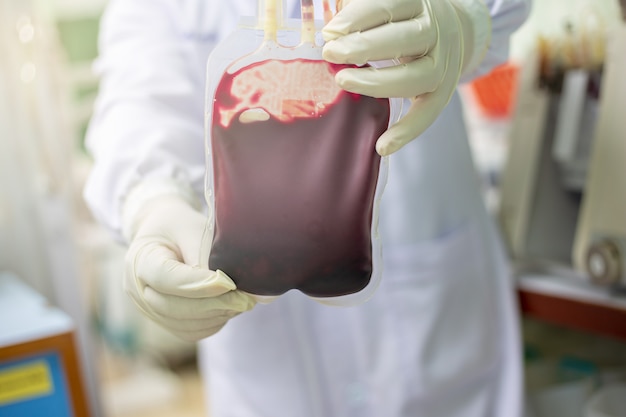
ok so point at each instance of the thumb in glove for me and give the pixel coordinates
(166, 275)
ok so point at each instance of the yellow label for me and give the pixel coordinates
(25, 381)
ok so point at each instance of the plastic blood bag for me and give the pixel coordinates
(293, 174)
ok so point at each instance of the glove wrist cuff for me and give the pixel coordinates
(477, 12)
(144, 193)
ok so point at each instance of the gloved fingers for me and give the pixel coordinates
(420, 115)
(361, 15)
(404, 80)
(426, 107)
(408, 38)
(191, 330)
(155, 263)
(182, 308)
(423, 112)
(195, 325)
(196, 335)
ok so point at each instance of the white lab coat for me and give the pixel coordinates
(440, 336)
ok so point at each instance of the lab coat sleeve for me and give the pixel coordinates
(506, 17)
(148, 119)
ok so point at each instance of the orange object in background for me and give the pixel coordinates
(495, 92)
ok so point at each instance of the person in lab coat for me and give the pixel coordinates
(440, 335)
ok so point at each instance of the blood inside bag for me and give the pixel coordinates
(295, 182)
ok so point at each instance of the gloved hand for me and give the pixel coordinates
(165, 275)
(432, 41)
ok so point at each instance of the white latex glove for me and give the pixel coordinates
(432, 41)
(165, 275)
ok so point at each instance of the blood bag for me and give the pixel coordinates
(293, 179)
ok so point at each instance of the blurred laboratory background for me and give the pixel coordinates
(549, 141)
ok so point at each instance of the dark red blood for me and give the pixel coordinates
(294, 200)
